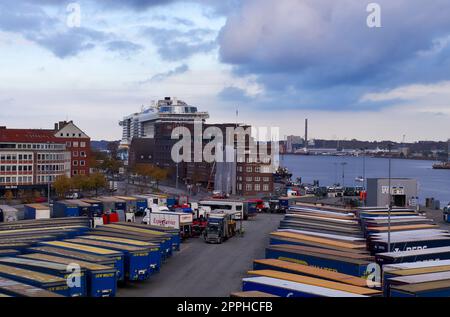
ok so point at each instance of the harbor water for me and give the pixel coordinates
(329, 170)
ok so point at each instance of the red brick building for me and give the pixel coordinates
(78, 143)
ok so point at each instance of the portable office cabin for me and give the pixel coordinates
(10, 214)
(130, 203)
(112, 203)
(55, 269)
(37, 211)
(96, 206)
(403, 191)
(65, 208)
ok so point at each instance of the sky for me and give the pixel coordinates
(274, 62)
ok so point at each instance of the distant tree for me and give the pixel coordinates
(97, 181)
(80, 183)
(9, 196)
(62, 185)
(159, 175)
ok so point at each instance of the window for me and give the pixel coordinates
(257, 169)
(82, 163)
(257, 179)
(265, 187)
(83, 154)
(249, 169)
(257, 187)
(239, 186)
(248, 179)
(75, 163)
(75, 144)
(248, 187)
(75, 153)
(82, 144)
(266, 179)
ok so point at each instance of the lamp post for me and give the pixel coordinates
(343, 173)
(390, 199)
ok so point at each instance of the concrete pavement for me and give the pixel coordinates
(208, 270)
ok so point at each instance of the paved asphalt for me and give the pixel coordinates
(208, 270)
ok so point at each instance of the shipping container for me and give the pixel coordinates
(65, 208)
(101, 279)
(54, 269)
(41, 280)
(407, 244)
(284, 288)
(430, 289)
(37, 211)
(136, 259)
(17, 289)
(119, 262)
(442, 277)
(11, 214)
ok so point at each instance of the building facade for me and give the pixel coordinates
(30, 159)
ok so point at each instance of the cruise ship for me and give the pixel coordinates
(142, 124)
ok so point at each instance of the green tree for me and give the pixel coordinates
(97, 181)
(159, 175)
(62, 185)
(9, 196)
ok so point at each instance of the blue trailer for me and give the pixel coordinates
(285, 288)
(101, 279)
(137, 259)
(141, 203)
(65, 208)
(55, 269)
(408, 244)
(431, 254)
(174, 233)
(154, 252)
(8, 252)
(350, 266)
(45, 281)
(118, 257)
(14, 288)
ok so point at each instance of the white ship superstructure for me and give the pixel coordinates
(142, 124)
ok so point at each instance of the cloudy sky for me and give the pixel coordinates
(277, 61)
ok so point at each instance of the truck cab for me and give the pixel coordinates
(219, 228)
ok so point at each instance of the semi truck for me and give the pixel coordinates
(220, 227)
(161, 216)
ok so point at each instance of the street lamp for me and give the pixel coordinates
(390, 199)
(343, 173)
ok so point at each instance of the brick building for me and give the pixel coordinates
(30, 159)
(250, 176)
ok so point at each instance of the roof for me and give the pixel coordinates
(28, 136)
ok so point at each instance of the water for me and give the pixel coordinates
(328, 170)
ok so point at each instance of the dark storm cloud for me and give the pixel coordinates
(176, 45)
(306, 48)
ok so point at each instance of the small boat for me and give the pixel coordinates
(442, 166)
(359, 179)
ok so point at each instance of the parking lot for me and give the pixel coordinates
(208, 270)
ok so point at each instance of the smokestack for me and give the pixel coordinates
(306, 133)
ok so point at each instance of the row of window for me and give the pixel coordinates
(16, 179)
(82, 163)
(251, 179)
(51, 167)
(13, 157)
(78, 172)
(73, 135)
(46, 178)
(255, 187)
(82, 154)
(75, 144)
(35, 146)
(258, 169)
(15, 168)
(51, 157)
(265, 160)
